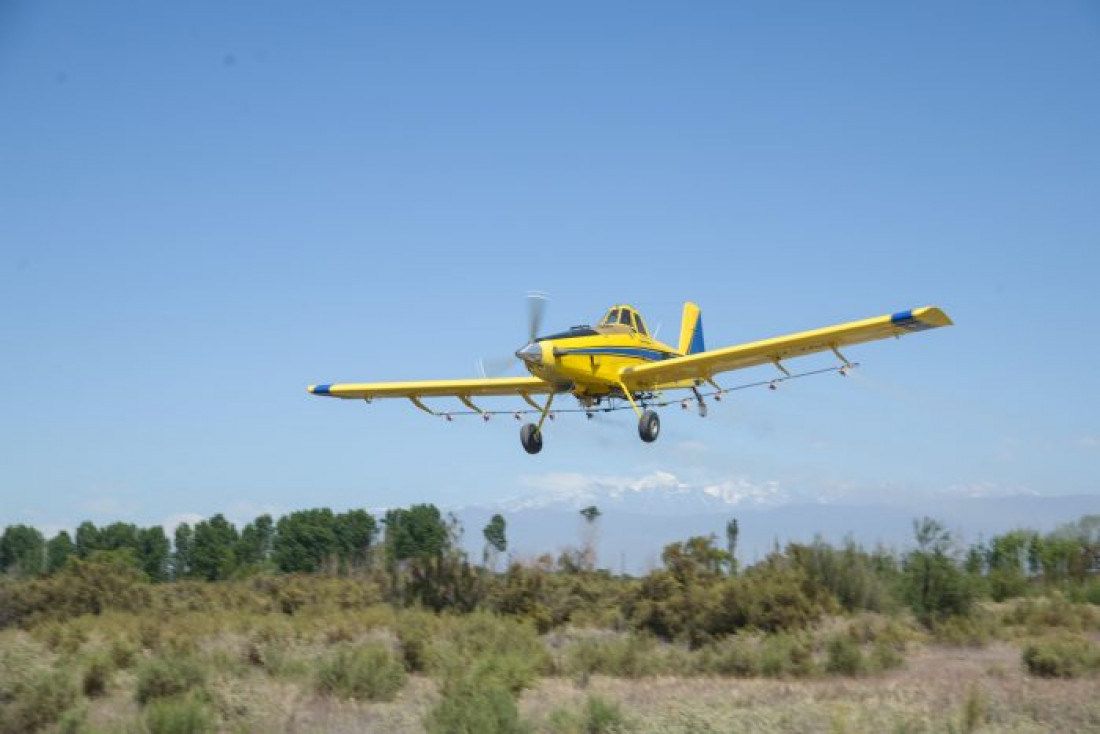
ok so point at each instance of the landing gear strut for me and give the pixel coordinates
(531, 434)
(649, 426)
(531, 438)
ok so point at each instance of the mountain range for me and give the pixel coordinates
(640, 516)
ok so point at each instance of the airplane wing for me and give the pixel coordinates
(704, 365)
(436, 388)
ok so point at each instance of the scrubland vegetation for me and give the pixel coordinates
(339, 622)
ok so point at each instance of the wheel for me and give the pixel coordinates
(649, 426)
(531, 438)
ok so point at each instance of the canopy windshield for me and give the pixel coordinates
(624, 316)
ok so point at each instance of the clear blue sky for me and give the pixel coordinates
(206, 206)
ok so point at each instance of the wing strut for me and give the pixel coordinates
(470, 404)
(841, 357)
(416, 401)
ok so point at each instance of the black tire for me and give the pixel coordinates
(531, 438)
(649, 426)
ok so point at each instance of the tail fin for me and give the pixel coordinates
(691, 330)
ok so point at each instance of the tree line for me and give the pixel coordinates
(307, 541)
(413, 556)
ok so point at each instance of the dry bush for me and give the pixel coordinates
(1065, 656)
(1037, 615)
(36, 700)
(163, 677)
(976, 630)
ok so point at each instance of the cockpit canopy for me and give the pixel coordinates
(625, 316)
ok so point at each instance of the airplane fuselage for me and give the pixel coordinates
(592, 362)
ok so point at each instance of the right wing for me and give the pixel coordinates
(665, 374)
(519, 386)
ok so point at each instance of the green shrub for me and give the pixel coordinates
(505, 648)
(625, 656)
(856, 578)
(844, 656)
(1090, 592)
(370, 673)
(97, 675)
(602, 716)
(179, 715)
(933, 584)
(1006, 583)
(73, 721)
(36, 701)
(1062, 657)
(475, 705)
(167, 677)
(737, 656)
(785, 655)
(598, 716)
(886, 656)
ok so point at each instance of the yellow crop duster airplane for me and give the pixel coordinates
(620, 360)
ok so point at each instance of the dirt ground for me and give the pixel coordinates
(938, 690)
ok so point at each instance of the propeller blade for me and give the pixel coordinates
(536, 309)
(496, 366)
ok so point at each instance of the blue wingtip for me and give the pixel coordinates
(320, 389)
(905, 320)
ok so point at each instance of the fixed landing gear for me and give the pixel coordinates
(649, 426)
(531, 438)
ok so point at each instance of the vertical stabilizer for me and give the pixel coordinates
(691, 330)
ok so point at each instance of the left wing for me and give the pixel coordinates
(436, 388)
(703, 365)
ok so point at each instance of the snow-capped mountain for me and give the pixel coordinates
(657, 493)
(641, 514)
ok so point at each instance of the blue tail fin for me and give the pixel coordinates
(691, 330)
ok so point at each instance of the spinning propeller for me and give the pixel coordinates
(536, 310)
